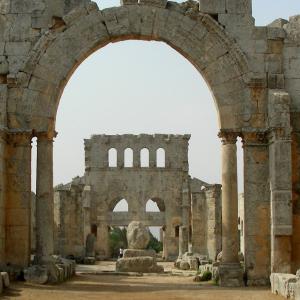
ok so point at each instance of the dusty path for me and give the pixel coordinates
(110, 287)
(88, 285)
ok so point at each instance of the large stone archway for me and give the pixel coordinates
(196, 36)
(248, 91)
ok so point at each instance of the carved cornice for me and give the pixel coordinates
(254, 138)
(19, 137)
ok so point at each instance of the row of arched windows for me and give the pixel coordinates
(144, 158)
(122, 206)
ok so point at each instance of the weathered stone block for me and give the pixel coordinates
(17, 48)
(139, 253)
(138, 264)
(212, 6)
(128, 2)
(283, 284)
(239, 7)
(138, 236)
(158, 3)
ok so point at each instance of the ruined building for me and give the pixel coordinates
(190, 210)
(252, 71)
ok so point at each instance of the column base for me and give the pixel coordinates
(231, 275)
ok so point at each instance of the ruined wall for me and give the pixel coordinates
(68, 218)
(206, 218)
(138, 184)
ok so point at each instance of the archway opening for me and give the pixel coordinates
(121, 206)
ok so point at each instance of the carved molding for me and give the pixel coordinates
(228, 137)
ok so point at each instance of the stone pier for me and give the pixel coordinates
(18, 210)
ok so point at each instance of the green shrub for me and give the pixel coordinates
(206, 276)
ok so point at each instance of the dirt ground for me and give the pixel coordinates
(149, 287)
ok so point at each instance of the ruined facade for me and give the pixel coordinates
(87, 203)
(253, 73)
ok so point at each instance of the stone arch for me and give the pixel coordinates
(196, 36)
(114, 203)
(159, 202)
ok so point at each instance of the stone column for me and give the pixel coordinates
(86, 211)
(18, 201)
(184, 228)
(231, 273)
(256, 208)
(213, 220)
(44, 198)
(183, 240)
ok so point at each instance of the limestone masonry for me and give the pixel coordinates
(254, 75)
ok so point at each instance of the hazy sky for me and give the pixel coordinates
(144, 87)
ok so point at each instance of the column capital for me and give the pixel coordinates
(255, 138)
(45, 135)
(228, 137)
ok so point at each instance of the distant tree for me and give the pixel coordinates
(117, 239)
(154, 243)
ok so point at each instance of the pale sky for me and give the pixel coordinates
(144, 87)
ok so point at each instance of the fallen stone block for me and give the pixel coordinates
(283, 284)
(36, 274)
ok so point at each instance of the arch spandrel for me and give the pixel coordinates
(200, 39)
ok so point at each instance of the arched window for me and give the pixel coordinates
(152, 206)
(121, 206)
(128, 158)
(144, 158)
(112, 157)
(160, 158)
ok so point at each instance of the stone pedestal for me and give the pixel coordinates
(141, 264)
(231, 275)
(138, 259)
